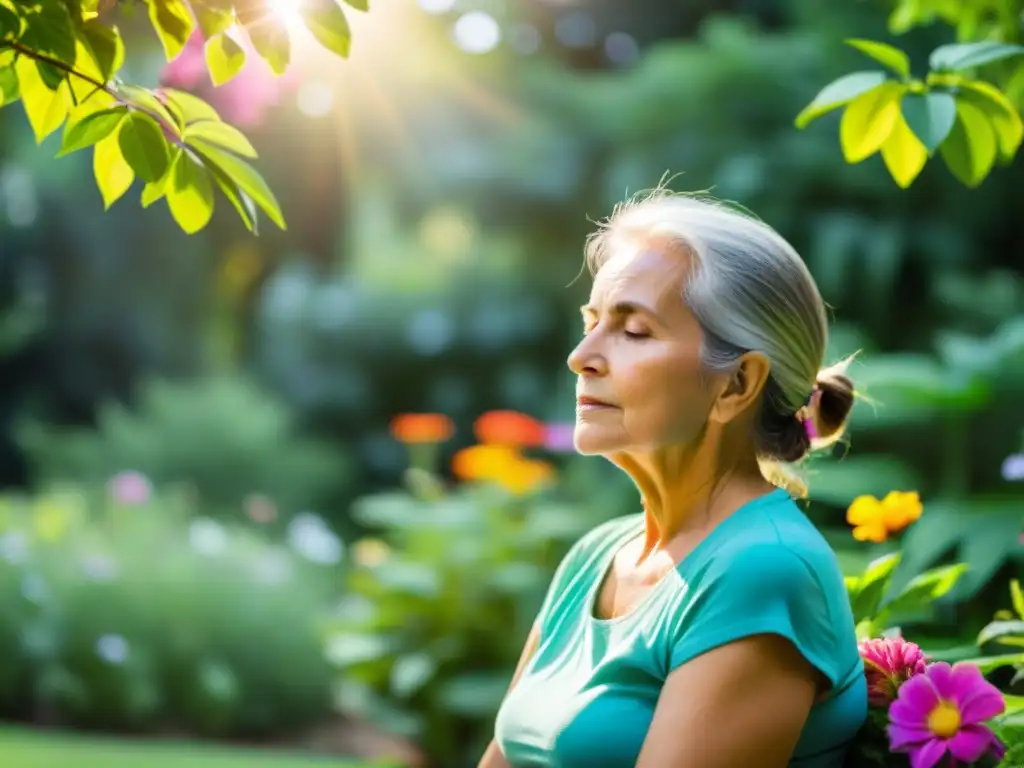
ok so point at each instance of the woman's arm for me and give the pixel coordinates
(492, 755)
(741, 704)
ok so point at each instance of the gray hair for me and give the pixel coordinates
(750, 291)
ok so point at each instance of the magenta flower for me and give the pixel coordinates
(129, 488)
(888, 663)
(558, 437)
(942, 712)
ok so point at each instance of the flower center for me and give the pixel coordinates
(944, 720)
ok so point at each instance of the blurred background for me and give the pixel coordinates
(248, 500)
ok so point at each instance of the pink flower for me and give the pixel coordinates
(129, 488)
(558, 437)
(888, 663)
(942, 712)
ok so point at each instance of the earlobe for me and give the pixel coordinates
(743, 388)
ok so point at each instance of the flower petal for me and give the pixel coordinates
(864, 510)
(902, 736)
(977, 699)
(917, 697)
(928, 755)
(971, 743)
(941, 675)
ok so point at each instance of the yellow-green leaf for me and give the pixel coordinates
(48, 29)
(1017, 597)
(173, 23)
(930, 116)
(213, 21)
(327, 22)
(868, 120)
(244, 176)
(8, 86)
(883, 53)
(192, 108)
(224, 58)
(92, 128)
(189, 194)
(44, 108)
(153, 191)
(359, 5)
(965, 55)
(105, 46)
(272, 42)
(241, 201)
(145, 99)
(221, 135)
(838, 93)
(970, 149)
(903, 153)
(113, 174)
(1005, 119)
(144, 146)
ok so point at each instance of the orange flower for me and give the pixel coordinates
(509, 428)
(417, 428)
(501, 465)
(874, 520)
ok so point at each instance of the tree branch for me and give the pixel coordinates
(57, 63)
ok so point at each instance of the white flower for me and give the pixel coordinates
(310, 537)
(207, 537)
(113, 649)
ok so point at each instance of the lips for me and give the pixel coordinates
(590, 403)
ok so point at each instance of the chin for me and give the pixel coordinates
(591, 440)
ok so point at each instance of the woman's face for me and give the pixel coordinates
(640, 385)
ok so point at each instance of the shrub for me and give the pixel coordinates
(147, 616)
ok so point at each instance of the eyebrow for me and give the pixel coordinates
(623, 308)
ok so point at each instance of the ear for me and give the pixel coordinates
(743, 388)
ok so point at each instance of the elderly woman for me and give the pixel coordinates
(713, 629)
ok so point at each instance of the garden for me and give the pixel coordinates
(286, 291)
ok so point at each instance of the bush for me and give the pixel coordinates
(224, 436)
(145, 617)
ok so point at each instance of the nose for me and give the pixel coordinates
(586, 358)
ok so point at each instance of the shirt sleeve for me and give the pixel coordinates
(770, 589)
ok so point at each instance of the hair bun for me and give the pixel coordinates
(834, 401)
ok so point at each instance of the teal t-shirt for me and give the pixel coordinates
(587, 696)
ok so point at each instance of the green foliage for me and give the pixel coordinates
(970, 122)
(61, 59)
(437, 612)
(225, 437)
(135, 617)
(878, 607)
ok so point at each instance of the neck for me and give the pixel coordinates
(686, 489)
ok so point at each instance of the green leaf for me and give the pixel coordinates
(52, 76)
(224, 58)
(872, 585)
(868, 120)
(153, 191)
(147, 101)
(903, 153)
(892, 57)
(10, 23)
(221, 135)
(45, 109)
(144, 146)
(970, 149)
(105, 46)
(48, 30)
(359, 5)
(241, 201)
(930, 116)
(213, 21)
(9, 92)
(245, 177)
(173, 23)
(925, 589)
(192, 108)
(327, 23)
(838, 93)
(272, 42)
(989, 664)
(1006, 121)
(1002, 631)
(1017, 597)
(113, 174)
(94, 127)
(965, 55)
(189, 194)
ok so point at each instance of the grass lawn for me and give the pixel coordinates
(23, 748)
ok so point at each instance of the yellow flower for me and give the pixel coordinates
(502, 465)
(524, 476)
(874, 520)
